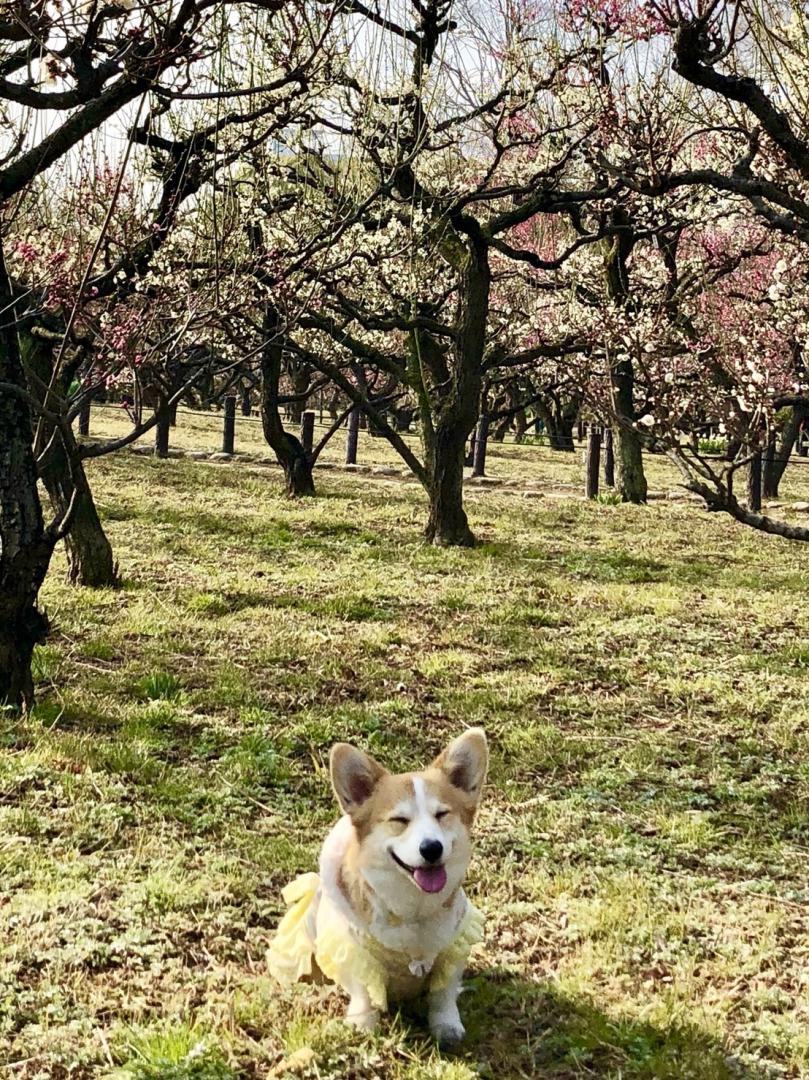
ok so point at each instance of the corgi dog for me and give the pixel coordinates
(387, 914)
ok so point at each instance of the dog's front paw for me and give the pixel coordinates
(365, 1020)
(447, 1033)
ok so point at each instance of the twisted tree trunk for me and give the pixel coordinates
(630, 480)
(448, 382)
(775, 463)
(90, 559)
(559, 419)
(289, 451)
(520, 425)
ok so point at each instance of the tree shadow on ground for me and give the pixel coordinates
(522, 1028)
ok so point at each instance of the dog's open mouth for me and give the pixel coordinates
(430, 879)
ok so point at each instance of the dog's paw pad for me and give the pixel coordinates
(448, 1035)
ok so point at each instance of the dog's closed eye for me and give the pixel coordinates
(440, 814)
(399, 821)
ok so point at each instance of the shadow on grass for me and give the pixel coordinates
(621, 567)
(518, 1027)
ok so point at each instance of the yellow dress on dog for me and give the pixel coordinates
(337, 946)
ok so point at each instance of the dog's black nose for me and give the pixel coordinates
(431, 850)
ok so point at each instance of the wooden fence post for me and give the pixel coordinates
(592, 461)
(352, 436)
(161, 431)
(247, 407)
(308, 430)
(479, 452)
(84, 418)
(229, 425)
(580, 430)
(754, 483)
(609, 459)
(803, 444)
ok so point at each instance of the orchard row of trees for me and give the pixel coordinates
(458, 207)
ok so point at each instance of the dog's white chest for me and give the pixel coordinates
(421, 940)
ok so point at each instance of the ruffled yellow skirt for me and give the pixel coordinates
(303, 940)
(293, 948)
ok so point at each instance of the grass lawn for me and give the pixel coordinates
(641, 856)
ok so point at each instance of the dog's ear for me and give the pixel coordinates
(354, 775)
(465, 761)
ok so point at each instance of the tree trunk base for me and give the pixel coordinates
(96, 570)
(18, 637)
(89, 553)
(633, 495)
(563, 443)
(447, 523)
(90, 560)
(300, 484)
(630, 478)
(454, 536)
(297, 467)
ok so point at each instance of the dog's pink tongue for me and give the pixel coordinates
(430, 878)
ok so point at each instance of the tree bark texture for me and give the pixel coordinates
(25, 544)
(630, 480)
